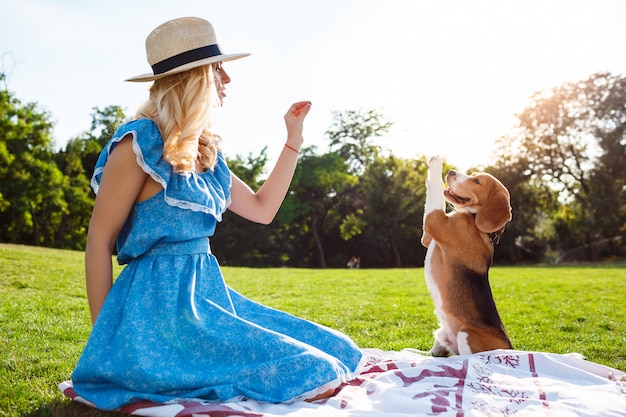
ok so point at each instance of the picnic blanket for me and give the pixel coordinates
(408, 383)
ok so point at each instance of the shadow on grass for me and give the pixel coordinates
(67, 408)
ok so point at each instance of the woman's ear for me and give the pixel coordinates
(494, 215)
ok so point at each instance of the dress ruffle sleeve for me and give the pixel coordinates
(207, 192)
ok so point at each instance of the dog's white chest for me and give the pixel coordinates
(445, 336)
(430, 280)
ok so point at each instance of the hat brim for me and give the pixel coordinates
(210, 60)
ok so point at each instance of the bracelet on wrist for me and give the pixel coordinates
(292, 148)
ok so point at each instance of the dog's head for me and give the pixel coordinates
(480, 194)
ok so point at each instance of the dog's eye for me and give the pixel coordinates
(476, 181)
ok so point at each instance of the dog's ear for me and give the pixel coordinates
(495, 214)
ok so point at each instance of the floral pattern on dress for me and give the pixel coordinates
(171, 328)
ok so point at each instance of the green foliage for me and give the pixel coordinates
(353, 225)
(352, 133)
(564, 163)
(77, 162)
(45, 198)
(394, 203)
(320, 197)
(81, 153)
(238, 241)
(250, 169)
(571, 138)
(31, 185)
(44, 314)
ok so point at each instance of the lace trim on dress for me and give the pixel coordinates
(194, 180)
(334, 384)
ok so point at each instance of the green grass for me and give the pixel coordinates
(44, 317)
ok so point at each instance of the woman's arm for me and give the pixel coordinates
(122, 180)
(262, 206)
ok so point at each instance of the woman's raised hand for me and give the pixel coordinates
(294, 120)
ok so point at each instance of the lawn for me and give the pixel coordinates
(44, 317)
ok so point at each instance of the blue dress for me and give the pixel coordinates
(171, 328)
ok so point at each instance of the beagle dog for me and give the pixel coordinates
(460, 251)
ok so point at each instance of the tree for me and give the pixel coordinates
(77, 161)
(31, 185)
(104, 123)
(608, 177)
(320, 192)
(531, 235)
(238, 241)
(352, 133)
(572, 137)
(394, 204)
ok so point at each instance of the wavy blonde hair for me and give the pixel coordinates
(180, 105)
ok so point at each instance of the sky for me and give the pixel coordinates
(450, 75)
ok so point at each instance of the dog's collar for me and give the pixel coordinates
(494, 238)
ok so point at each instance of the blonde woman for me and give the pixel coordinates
(170, 328)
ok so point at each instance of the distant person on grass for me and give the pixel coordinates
(170, 327)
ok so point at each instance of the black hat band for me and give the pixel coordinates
(185, 58)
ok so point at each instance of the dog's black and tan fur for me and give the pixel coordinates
(460, 251)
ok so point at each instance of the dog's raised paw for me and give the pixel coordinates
(435, 164)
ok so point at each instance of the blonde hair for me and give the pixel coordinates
(180, 105)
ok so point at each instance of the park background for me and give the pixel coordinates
(532, 92)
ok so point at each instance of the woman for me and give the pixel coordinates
(170, 328)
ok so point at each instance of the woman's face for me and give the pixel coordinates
(221, 79)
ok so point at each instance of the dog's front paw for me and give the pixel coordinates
(439, 350)
(435, 166)
(434, 186)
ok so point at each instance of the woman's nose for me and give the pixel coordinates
(225, 77)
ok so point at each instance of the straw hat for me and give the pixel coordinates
(182, 44)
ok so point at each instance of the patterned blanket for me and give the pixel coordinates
(407, 383)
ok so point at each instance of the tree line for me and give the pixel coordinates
(564, 163)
